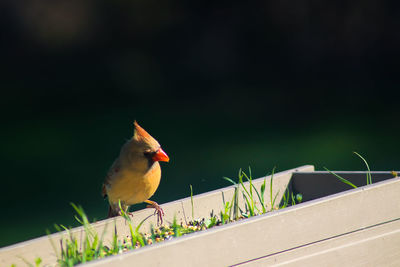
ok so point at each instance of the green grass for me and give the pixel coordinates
(92, 245)
(369, 177)
(252, 194)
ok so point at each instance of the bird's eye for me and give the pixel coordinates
(147, 153)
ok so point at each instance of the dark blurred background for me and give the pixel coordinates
(222, 86)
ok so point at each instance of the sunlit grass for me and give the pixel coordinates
(251, 195)
(369, 177)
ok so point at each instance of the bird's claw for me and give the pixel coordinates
(159, 211)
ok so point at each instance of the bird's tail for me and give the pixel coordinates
(104, 191)
(112, 212)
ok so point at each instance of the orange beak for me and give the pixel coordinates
(160, 155)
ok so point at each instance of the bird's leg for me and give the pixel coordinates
(127, 212)
(158, 210)
(119, 209)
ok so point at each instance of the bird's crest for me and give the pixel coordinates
(140, 134)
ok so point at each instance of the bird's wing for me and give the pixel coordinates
(109, 178)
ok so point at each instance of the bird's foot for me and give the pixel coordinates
(127, 216)
(158, 210)
(127, 213)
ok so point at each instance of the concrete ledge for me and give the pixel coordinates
(373, 246)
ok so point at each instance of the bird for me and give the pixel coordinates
(135, 175)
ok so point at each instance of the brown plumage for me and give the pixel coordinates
(135, 174)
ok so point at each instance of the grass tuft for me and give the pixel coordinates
(369, 177)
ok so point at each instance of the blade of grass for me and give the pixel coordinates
(241, 182)
(100, 246)
(191, 200)
(263, 195)
(236, 196)
(273, 202)
(229, 180)
(248, 204)
(232, 205)
(260, 198)
(53, 244)
(341, 178)
(369, 178)
(236, 203)
(250, 193)
(293, 200)
(270, 188)
(285, 199)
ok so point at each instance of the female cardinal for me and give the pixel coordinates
(135, 174)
